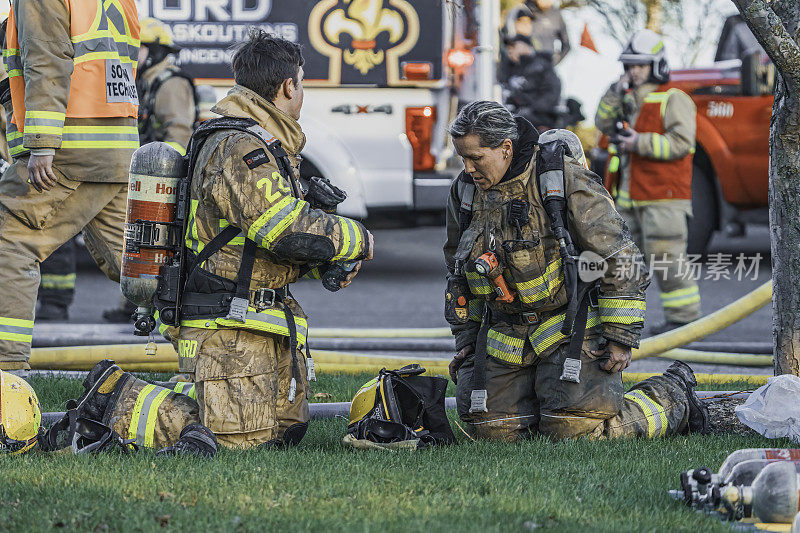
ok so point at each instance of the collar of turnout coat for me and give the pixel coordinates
(241, 102)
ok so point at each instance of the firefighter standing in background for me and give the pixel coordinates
(71, 133)
(167, 110)
(250, 385)
(516, 372)
(543, 24)
(653, 130)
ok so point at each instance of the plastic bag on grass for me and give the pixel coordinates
(774, 409)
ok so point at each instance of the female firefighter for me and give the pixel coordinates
(517, 218)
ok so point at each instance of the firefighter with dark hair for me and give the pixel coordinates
(251, 232)
(652, 131)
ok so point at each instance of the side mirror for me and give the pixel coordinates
(757, 74)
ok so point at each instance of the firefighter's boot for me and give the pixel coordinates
(195, 439)
(99, 387)
(698, 412)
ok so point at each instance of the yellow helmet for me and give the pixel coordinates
(153, 31)
(20, 414)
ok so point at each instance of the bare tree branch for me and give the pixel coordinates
(773, 36)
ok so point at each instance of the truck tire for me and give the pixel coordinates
(704, 209)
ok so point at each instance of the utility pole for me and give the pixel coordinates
(488, 17)
(775, 25)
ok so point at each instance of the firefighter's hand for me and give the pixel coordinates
(458, 360)
(40, 172)
(627, 140)
(619, 357)
(351, 276)
(371, 241)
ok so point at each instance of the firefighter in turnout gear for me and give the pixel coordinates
(167, 110)
(652, 132)
(250, 375)
(517, 372)
(72, 132)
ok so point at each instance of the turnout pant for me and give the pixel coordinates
(661, 232)
(32, 226)
(240, 392)
(529, 399)
(58, 276)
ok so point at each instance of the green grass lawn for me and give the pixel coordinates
(320, 485)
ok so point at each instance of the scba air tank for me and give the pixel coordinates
(773, 496)
(151, 237)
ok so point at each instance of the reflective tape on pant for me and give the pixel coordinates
(186, 388)
(478, 284)
(681, 297)
(16, 330)
(655, 414)
(548, 333)
(541, 287)
(504, 347)
(145, 414)
(269, 321)
(621, 310)
(58, 281)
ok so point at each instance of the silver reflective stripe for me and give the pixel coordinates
(71, 136)
(18, 330)
(141, 429)
(13, 62)
(262, 134)
(551, 183)
(273, 222)
(43, 122)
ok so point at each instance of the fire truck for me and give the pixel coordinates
(380, 78)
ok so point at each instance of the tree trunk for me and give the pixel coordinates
(775, 25)
(655, 15)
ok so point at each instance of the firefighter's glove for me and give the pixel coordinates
(616, 357)
(322, 194)
(626, 140)
(458, 360)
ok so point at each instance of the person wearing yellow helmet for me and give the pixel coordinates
(20, 415)
(167, 107)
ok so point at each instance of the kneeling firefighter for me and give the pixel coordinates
(247, 232)
(540, 348)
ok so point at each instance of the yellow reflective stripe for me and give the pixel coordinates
(51, 115)
(192, 240)
(136, 414)
(657, 48)
(542, 286)
(613, 165)
(548, 333)
(264, 219)
(656, 142)
(45, 130)
(104, 55)
(681, 297)
(15, 337)
(478, 284)
(621, 310)
(100, 137)
(19, 322)
(357, 245)
(283, 224)
(655, 414)
(504, 347)
(475, 309)
(345, 238)
(152, 415)
(236, 241)
(665, 147)
(270, 321)
(58, 281)
(178, 146)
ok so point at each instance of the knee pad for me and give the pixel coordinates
(294, 434)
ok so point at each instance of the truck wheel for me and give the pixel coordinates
(704, 209)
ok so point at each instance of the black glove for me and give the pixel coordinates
(322, 194)
(195, 439)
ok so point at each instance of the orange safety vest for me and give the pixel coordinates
(654, 178)
(105, 40)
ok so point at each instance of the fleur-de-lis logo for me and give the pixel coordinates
(378, 31)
